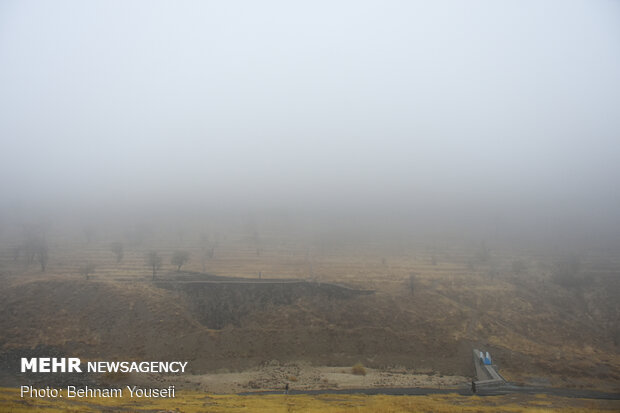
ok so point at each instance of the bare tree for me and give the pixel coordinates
(207, 252)
(411, 282)
(119, 251)
(29, 252)
(179, 258)
(34, 242)
(203, 261)
(42, 255)
(483, 255)
(153, 260)
(30, 248)
(87, 269)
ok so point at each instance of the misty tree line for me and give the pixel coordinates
(35, 248)
(566, 271)
(154, 260)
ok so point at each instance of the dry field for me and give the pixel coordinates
(190, 402)
(463, 296)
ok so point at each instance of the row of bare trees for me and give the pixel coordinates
(154, 260)
(34, 247)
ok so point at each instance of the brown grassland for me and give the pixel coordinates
(195, 402)
(432, 303)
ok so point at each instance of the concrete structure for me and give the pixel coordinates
(486, 372)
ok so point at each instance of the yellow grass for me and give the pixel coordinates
(193, 402)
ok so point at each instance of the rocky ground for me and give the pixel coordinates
(301, 376)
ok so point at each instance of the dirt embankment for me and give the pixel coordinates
(217, 302)
(296, 322)
(234, 325)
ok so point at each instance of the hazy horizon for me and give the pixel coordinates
(465, 111)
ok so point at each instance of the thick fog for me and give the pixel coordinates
(504, 111)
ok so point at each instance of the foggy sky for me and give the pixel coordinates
(500, 105)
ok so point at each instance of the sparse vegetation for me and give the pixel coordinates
(87, 270)
(409, 176)
(358, 369)
(442, 314)
(194, 402)
(42, 254)
(484, 254)
(35, 245)
(203, 261)
(118, 250)
(179, 258)
(411, 282)
(154, 261)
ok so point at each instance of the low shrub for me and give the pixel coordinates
(358, 369)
